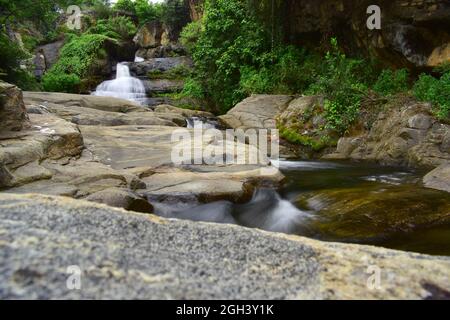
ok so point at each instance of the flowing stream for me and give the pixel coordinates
(343, 202)
(123, 86)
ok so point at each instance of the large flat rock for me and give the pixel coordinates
(77, 100)
(439, 178)
(146, 151)
(256, 112)
(47, 137)
(124, 255)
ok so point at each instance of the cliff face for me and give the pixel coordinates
(414, 33)
(195, 8)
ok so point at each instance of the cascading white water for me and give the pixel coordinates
(124, 86)
(201, 123)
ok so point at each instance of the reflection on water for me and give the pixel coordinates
(343, 202)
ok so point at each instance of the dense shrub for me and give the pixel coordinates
(125, 5)
(11, 55)
(391, 82)
(193, 88)
(57, 82)
(436, 91)
(76, 59)
(343, 81)
(147, 11)
(143, 9)
(120, 28)
(190, 35)
(230, 39)
(235, 56)
(285, 70)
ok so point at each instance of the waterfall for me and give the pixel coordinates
(124, 86)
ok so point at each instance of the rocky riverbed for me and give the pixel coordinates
(77, 154)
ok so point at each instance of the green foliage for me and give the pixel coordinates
(391, 82)
(147, 11)
(230, 39)
(436, 91)
(125, 5)
(101, 9)
(175, 13)
(120, 28)
(234, 57)
(60, 82)
(77, 57)
(286, 70)
(177, 73)
(11, 55)
(294, 137)
(190, 35)
(192, 88)
(343, 81)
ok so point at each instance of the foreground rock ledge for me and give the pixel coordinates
(125, 255)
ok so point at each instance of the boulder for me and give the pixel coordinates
(95, 117)
(48, 137)
(126, 255)
(166, 51)
(300, 110)
(150, 35)
(98, 148)
(141, 69)
(439, 56)
(256, 112)
(13, 115)
(405, 134)
(121, 198)
(188, 113)
(158, 86)
(46, 56)
(439, 178)
(86, 101)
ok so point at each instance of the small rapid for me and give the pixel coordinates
(337, 201)
(202, 123)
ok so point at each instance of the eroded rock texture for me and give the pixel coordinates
(130, 256)
(414, 33)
